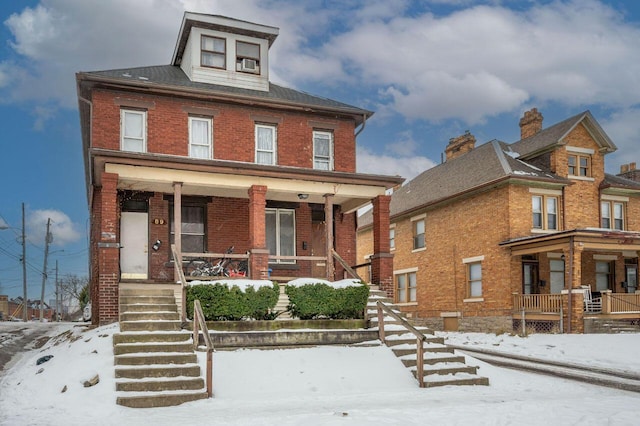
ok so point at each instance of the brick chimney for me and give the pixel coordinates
(530, 123)
(629, 171)
(460, 145)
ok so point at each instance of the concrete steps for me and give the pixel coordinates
(441, 367)
(155, 361)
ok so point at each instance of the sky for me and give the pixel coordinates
(322, 386)
(430, 69)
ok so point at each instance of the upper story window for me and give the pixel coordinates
(392, 238)
(213, 52)
(322, 150)
(406, 287)
(200, 138)
(247, 57)
(545, 212)
(133, 130)
(266, 144)
(418, 234)
(612, 215)
(579, 165)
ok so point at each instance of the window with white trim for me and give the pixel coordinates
(213, 52)
(474, 279)
(406, 287)
(133, 130)
(612, 215)
(266, 144)
(556, 275)
(200, 138)
(392, 238)
(322, 150)
(579, 165)
(544, 212)
(247, 57)
(418, 234)
(604, 275)
(281, 233)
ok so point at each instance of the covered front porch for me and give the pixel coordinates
(572, 277)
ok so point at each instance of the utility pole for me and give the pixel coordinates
(47, 240)
(24, 270)
(58, 316)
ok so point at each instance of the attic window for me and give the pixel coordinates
(579, 165)
(247, 57)
(213, 52)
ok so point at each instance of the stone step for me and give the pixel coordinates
(141, 372)
(405, 349)
(155, 336)
(149, 307)
(148, 300)
(154, 399)
(147, 292)
(460, 379)
(151, 325)
(431, 359)
(157, 385)
(149, 316)
(392, 341)
(446, 368)
(131, 348)
(155, 358)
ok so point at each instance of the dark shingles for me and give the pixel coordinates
(612, 181)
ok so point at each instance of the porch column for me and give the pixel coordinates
(177, 221)
(575, 301)
(106, 309)
(382, 259)
(259, 259)
(328, 220)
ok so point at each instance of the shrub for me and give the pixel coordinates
(313, 301)
(223, 303)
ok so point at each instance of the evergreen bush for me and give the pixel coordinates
(315, 301)
(221, 302)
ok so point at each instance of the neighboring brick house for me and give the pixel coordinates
(208, 143)
(502, 230)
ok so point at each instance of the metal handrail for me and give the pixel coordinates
(420, 338)
(200, 323)
(177, 263)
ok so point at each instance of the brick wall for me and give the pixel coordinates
(233, 129)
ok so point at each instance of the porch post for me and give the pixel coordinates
(575, 305)
(177, 221)
(382, 259)
(106, 308)
(328, 220)
(259, 259)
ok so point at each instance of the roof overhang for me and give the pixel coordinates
(593, 239)
(229, 179)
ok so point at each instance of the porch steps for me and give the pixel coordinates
(283, 304)
(441, 367)
(155, 361)
(613, 326)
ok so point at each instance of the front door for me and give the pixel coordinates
(530, 278)
(134, 245)
(318, 248)
(631, 276)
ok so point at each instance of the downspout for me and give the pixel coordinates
(364, 123)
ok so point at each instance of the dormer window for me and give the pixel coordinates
(579, 165)
(213, 52)
(248, 57)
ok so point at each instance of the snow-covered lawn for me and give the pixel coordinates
(326, 386)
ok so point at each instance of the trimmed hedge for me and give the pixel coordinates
(223, 303)
(314, 301)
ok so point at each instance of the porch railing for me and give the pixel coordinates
(177, 263)
(618, 303)
(551, 303)
(200, 323)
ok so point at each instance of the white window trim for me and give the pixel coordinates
(124, 111)
(405, 271)
(331, 147)
(606, 197)
(579, 150)
(210, 135)
(418, 217)
(551, 255)
(295, 251)
(607, 257)
(274, 132)
(539, 191)
(473, 259)
(584, 178)
(473, 299)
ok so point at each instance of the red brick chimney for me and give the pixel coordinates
(530, 123)
(460, 145)
(629, 171)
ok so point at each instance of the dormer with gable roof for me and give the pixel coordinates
(218, 50)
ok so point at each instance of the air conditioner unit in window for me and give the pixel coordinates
(250, 65)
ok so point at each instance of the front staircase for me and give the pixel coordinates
(155, 361)
(441, 367)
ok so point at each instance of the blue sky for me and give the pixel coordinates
(431, 69)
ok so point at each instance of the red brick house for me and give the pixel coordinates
(206, 153)
(500, 233)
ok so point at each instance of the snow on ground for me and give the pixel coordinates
(326, 386)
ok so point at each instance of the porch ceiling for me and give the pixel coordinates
(589, 239)
(350, 196)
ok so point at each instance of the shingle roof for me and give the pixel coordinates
(612, 181)
(490, 162)
(173, 76)
(554, 135)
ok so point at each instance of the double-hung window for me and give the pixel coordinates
(579, 165)
(133, 130)
(281, 233)
(406, 287)
(392, 238)
(192, 228)
(322, 150)
(266, 144)
(418, 233)
(545, 212)
(200, 138)
(474, 276)
(213, 52)
(612, 215)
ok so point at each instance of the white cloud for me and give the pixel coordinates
(408, 167)
(64, 231)
(3, 224)
(622, 127)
